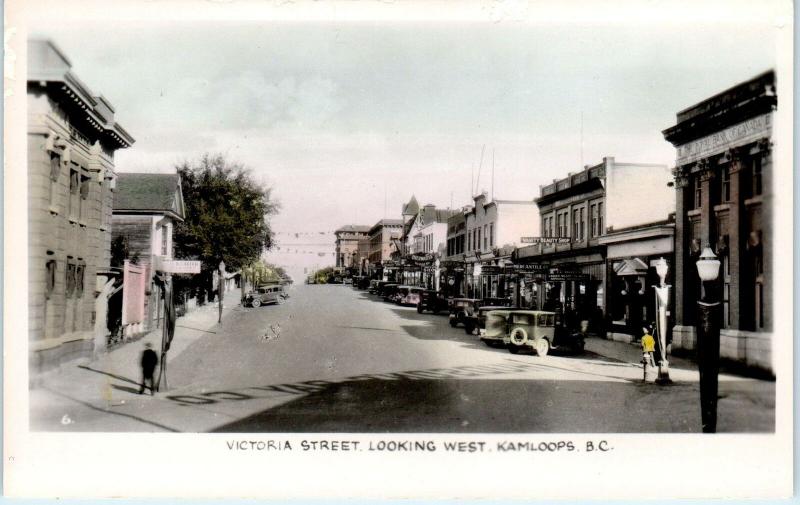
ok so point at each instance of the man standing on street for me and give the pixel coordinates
(149, 361)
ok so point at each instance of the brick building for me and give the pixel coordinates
(72, 137)
(146, 209)
(383, 236)
(347, 239)
(723, 181)
(619, 207)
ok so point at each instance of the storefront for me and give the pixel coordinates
(632, 255)
(573, 284)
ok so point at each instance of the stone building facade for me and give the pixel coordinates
(723, 182)
(72, 137)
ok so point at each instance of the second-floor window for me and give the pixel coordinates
(485, 238)
(698, 193)
(491, 235)
(725, 190)
(74, 194)
(757, 179)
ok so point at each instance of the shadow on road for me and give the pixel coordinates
(482, 406)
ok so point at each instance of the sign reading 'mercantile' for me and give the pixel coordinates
(746, 131)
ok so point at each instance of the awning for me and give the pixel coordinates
(627, 267)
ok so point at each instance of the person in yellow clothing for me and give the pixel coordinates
(648, 348)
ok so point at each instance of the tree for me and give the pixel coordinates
(227, 218)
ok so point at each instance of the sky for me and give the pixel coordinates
(346, 120)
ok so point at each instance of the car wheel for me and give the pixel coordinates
(454, 322)
(542, 347)
(419, 308)
(468, 329)
(513, 349)
(518, 336)
(256, 303)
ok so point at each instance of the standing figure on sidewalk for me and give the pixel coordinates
(648, 348)
(149, 361)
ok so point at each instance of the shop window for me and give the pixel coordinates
(725, 190)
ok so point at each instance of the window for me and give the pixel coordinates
(51, 278)
(485, 238)
(74, 198)
(575, 225)
(593, 212)
(725, 191)
(70, 278)
(478, 246)
(165, 237)
(55, 171)
(83, 208)
(79, 270)
(600, 229)
(757, 177)
(583, 223)
(491, 235)
(698, 193)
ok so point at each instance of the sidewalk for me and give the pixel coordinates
(69, 397)
(630, 353)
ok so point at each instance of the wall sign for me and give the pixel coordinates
(545, 240)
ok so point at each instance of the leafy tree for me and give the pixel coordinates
(227, 218)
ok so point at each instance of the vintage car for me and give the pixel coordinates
(265, 295)
(431, 300)
(495, 326)
(408, 295)
(477, 320)
(388, 292)
(461, 309)
(539, 331)
(375, 286)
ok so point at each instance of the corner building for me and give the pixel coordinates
(723, 181)
(72, 137)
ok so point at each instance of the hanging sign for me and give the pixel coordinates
(545, 240)
(177, 266)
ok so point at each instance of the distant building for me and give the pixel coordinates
(426, 246)
(723, 182)
(347, 238)
(146, 209)
(72, 137)
(624, 206)
(383, 239)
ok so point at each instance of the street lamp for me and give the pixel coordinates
(220, 286)
(662, 302)
(708, 340)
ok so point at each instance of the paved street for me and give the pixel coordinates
(333, 359)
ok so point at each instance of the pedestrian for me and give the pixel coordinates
(648, 348)
(149, 361)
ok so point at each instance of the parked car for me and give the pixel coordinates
(495, 327)
(408, 295)
(265, 295)
(388, 291)
(362, 283)
(539, 331)
(461, 308)
(477, 321)
(431, 300)
(377, 286)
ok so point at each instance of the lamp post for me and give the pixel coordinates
(662, 302)
(220, 287)
(708, 340)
